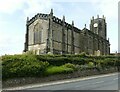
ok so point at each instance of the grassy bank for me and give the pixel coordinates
(17, 66)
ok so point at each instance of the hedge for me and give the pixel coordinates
(36, 65)
(22, 66)
(59, 60)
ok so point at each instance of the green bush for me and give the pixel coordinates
(69, 65)
(83, 54)
(57, 70)
(27, 65)
(83, 67)
(29, 53)
(91, 65)
(58, 60)
(16, 66)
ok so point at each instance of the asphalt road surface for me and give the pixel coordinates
(100, 83)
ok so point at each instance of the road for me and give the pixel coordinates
(100, 83)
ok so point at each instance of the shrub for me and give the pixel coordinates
(57, 70)
(77, 67)
(83, 67)
(29, 53)
(83, 54)
(69, 65)
(22, 66)
(27, 65)
(24, 69)
(90, 65)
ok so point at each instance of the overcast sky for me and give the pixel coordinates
(13, 14)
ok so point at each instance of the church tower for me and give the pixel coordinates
(98, 26)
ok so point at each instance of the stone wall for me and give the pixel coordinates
(84, 40)
(43, 27)
(59, 37)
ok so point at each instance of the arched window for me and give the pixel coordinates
(37, 34)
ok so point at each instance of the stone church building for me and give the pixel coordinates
(46, 34)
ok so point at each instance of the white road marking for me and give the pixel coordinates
(77, 86)
(82, 85)
(115, 79)
(98, 82)
(90, 84)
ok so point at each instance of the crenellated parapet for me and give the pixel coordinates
(55, 19)
(38, 16)
(59, 21)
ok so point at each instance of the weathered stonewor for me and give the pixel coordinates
(47, 34)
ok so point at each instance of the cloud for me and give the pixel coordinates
(10, 6)
(108, 7)
(27, 6)
(10, 43)
(36, 6)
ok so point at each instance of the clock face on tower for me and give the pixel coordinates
(95, 25)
